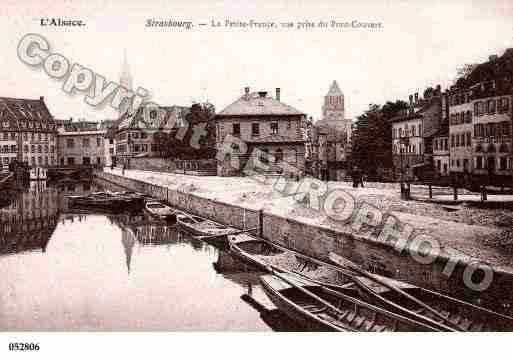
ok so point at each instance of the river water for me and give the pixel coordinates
(64, 269)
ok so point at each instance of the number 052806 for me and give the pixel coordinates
(23, 346)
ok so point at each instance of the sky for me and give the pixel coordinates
(419, 44)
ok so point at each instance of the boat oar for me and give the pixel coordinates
(347, 263)
(226, 233)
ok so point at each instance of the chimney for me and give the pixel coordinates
(438, 90)
(278, 92)
(41, 98)
(262, 94)
(416, 97)
(71, 119)
(246, 90)
(492, 58)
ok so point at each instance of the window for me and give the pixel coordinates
(25, 136)
(144, 135)
(111, 141)
(278, 155)
(413, 131)
(469, 139)
(71, 161)
(468, 117)
(503, 163)
(70, 143)
(153, 114)
(289, 125)
(98, 160)
(458, 163)
(13, 149)
(46, 148)
(457, 140)
(506, 129)
(111, 151)
(479, 162)
(236, 129)
(465, 165)
(32, 148)
(86, 161)
(274, 128)
(98, 141)
(39, 148)
(504, 104)
(491, 106)
(476, 108)
(46, 160)
(85, 142)
(26, 148)
(255, 129)
(452, 141)
(503, 148)
(264, 155)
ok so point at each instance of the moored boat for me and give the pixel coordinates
(319, 308)
(205, 229)
(160, 210)
(434, 309)
(426, 305)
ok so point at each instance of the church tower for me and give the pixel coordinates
(125, 81)
(333, 107)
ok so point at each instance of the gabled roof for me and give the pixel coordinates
(165, 116)
(255, 104)
(335, 90)
(25, 115)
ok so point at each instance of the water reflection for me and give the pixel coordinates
(65, 269)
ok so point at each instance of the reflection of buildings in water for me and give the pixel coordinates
(146, 231)
(30, 219)
(128, 245)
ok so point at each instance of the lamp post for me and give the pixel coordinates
(403, 142)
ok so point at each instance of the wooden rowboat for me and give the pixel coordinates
(318, 308)
(420, 303)
(434, 309)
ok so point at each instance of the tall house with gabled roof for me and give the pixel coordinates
(28, 132)
(264, 123)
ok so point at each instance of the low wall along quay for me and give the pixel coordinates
(377, 257)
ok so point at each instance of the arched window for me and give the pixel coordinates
(278, 156)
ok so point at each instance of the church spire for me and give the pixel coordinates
(334, 90)
(125, 81)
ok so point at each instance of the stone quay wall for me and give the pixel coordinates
(375, 256)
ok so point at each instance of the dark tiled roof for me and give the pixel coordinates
(253, 104)
(25, 115)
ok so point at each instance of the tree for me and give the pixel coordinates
(199, 118)
(372, 137)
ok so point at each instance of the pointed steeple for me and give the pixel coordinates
(125, 80)
(334, 89)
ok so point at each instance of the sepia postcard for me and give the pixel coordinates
(273, 166)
